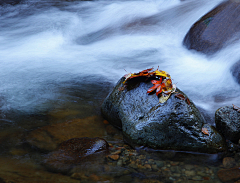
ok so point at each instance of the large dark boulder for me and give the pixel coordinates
(176, 124)
(228, 122)
(213, 30)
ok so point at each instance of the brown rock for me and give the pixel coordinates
(105, 122)
(213, 30)
(228, 162)
(75, 151)
(117, 152)
(49, 137)
(94, 177)
(232, 174)
(148, 166)
(80, 176)
(113, 157)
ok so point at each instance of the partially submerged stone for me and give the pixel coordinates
(212, 31)
(176, 124)
(75, 151)
(215, 30)
(235, 70)
(229, 175)
(228, 122)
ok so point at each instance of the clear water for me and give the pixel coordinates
(68, 55)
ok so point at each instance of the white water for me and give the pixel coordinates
(47, 46)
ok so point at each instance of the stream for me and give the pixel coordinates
(60, 56)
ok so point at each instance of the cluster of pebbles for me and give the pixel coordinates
(125, 164)
(146, 168)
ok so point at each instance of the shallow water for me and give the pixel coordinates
(66, 56)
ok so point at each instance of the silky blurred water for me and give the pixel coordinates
(48, 47)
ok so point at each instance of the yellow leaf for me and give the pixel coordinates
(164, 98)
(162, 73)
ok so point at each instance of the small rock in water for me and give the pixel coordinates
(227, 122)
(229, 175)
(213, 30)
(228, 162)
(113, 157)
(75, 151)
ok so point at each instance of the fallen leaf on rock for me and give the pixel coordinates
(205, 131)
(180, 96)
(162, 73)
(167, 86)
(161, 81)
(164, 98)
(157, 86)
(188, 101)
(145, 72)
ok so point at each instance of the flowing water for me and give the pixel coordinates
(59, 55)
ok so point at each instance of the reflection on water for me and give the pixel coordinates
(59, 60)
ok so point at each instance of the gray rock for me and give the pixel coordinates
(212, 31)
(227, 122)
(12, 2)
(216, 29)
(235, 70)
(175, 124)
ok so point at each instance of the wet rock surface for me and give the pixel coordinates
(215, 29)
(75, 151)
(235, 70)
(12, 2)
(227, 122)
(229, 175)
(229, 162)
(49, 137)
(175, 124)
